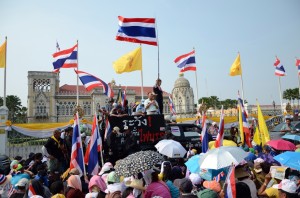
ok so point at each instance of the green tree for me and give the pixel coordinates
(16, 112)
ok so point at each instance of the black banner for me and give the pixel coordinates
(149, 128)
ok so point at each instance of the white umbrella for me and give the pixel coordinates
(221, 157)
(170, 148)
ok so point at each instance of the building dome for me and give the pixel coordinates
(181, 82)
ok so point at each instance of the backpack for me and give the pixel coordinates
(116, 194)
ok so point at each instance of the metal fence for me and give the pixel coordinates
(22, 145)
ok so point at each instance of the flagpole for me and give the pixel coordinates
(157, 50)
(242, 85)
(280, 94)
(4, 90)
(196, 80)
(77, 88)
(142, 88)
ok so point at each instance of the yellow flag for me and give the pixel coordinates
(257, 138)
(3, 55)
(263, 129)
(236, 68)
(131, 61)
(241, 125)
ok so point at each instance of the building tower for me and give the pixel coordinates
(183, 98)
(41, 103)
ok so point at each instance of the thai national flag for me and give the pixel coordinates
(280, 71)
(123, 98)
(31, 191)
(204, 135)
(277, 62)
(90, 82)
(220, 136)
(230, 180)
(246, 127)
(108, 129)
(65, 58)
(77, 152)
(186, 61)
(171, 105)
(137, 30)
(91, 155)
(219, 176)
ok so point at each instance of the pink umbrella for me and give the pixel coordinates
(282, 145)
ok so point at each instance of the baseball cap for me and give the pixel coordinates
(287, 186)
(212, 185)
(22, 182)
(105, 168)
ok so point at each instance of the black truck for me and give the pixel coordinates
(150, 129)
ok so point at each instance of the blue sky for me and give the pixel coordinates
(218, 30)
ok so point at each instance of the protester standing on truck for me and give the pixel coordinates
(159, 95)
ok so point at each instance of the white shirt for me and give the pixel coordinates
(152, 108)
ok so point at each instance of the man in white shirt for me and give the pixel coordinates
(151, 106)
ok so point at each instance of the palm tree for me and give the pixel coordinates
(14, 106)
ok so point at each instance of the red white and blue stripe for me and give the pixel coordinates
(231, 187)
(91, 155)
(171, 105)
(90, 82)
(137, 30)
(220, 136)
(280, 71)
(65, 58)
(297, 62)
(277, 61)
(246, 127)
(77, 160)
(186, 61)
(108, 129)
(219, 176)
(204, 134)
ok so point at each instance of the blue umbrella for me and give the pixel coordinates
(193, 164)
(289, 159)
(291, 137)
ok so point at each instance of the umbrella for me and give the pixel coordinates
(137, 162)
(282, 145)
(291, 137)
(211, 144)
(193, 164)
(222, 157)
(170, 148)
(289, 159)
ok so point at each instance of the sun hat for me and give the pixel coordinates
(113, 178)
(212, 185)
(207, 193)
(105, 168)
(4, 179)
(287, 186)
(22, 182)
(240, 173)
